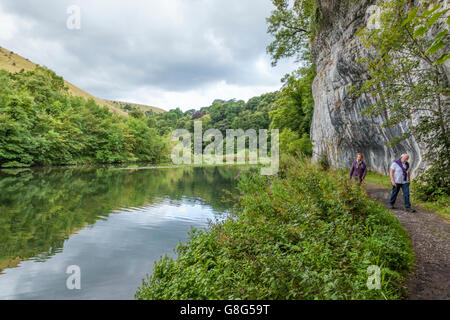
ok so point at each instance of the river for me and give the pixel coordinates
(111, 222)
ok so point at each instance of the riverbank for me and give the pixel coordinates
(305, 234)
(130, 166)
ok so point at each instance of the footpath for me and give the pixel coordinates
(430, 237)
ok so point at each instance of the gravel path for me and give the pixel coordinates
(430, 237)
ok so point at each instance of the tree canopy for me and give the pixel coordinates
(42, 124)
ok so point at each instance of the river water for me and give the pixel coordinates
(111, 223)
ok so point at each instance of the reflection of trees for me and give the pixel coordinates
(39, 209)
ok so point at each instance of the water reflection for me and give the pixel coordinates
(112, 223)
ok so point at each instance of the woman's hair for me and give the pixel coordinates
(360, 154)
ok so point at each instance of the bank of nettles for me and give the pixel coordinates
(305, 234)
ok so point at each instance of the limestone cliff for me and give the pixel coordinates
(338, 128)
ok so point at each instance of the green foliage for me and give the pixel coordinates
(293, 112)
(221, 115)
(408, 81)
(426, 188)
(323, 161)
(166, 122)
(290, 111)
(256, 112)
(292, 24)
(310, 235)
(292, 144)
(41, 124)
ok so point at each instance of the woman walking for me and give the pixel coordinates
(359, 169)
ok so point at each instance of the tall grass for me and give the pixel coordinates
(305, 234)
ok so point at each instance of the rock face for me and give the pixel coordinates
(338, 128)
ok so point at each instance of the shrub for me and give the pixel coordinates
(291, 144)
(323, 161)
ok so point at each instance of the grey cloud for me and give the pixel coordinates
(170, 45)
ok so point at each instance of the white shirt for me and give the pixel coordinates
(398, 173)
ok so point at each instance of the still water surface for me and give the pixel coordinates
(113, 223)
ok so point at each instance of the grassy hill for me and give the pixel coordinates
(13, 62)
(142, 107)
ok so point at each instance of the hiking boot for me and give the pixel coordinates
(410, 210)
(392, 207)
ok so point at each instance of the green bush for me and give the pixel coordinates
(310, 235)
(323, 161)
(291, 144)
(429, 186)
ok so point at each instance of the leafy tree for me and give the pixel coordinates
(197, 115)
(292, 24)
(136, 113)
(295, 105)
(291, 143)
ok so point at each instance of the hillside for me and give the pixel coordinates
(13, 62)
(142, 107)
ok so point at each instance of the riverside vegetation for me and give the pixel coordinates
(305, 234)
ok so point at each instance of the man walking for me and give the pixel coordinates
(400, 179)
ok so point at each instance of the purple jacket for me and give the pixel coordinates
(358, 170)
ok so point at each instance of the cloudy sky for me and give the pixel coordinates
(171, 53)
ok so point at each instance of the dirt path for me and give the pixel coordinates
(430, 237)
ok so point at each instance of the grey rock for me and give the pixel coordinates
(338, 128)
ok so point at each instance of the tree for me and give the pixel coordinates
(295, 104)
(408, 82)
(290, 143)
(136, 113)
(292, 24)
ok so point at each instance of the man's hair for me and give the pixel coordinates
(360, 154)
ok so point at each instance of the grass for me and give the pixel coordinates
(304, 234)
(142, 107)
(441, 206)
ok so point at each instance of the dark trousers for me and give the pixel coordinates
(396, 190)
(357, 180)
